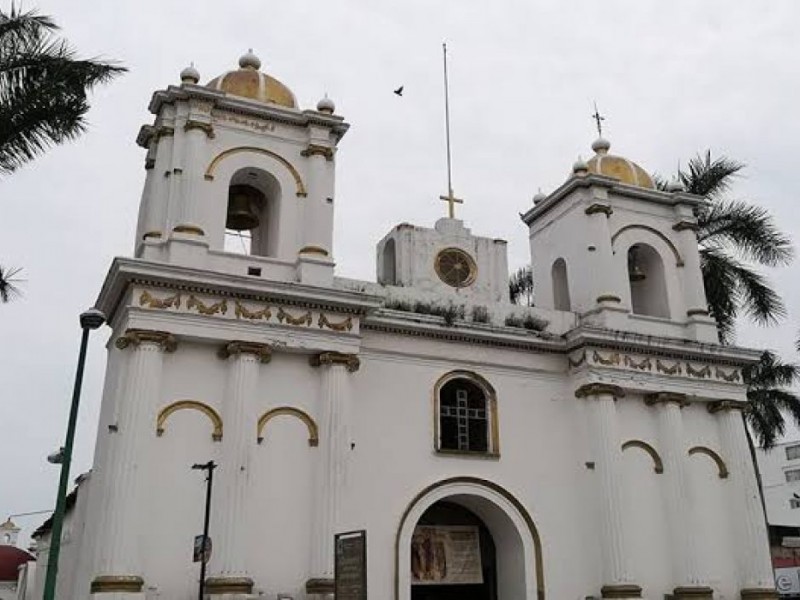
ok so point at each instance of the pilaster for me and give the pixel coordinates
(229, 576)
(332, 475)
(118, 567)
(606, 454)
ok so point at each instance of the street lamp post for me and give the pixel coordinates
(91, 319)
(209, 467)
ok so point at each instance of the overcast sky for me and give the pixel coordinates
(673, 78)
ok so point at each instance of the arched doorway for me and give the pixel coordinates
(509, 542)
(453, 555)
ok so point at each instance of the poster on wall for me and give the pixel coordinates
(446, 555)
(350, 565)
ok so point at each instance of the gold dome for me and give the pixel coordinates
(626, 171)
(249, 82)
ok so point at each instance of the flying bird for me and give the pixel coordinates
(399, 91)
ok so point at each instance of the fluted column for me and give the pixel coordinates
(317, 237)
(228, 569)
(617, 580)
(332, 472)
(191, 177)
(156, 203)
(118, 566)
(688, 570)
(756, 578)
(605, 285)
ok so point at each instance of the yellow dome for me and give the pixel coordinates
(249, 82)
(626, 171)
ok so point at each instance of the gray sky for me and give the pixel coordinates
(673, 78)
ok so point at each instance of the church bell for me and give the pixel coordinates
(243, 207)
(635, 272)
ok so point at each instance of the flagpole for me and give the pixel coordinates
(447, 125)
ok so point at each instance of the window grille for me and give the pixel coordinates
(793, 452)
(792, 475)
(463, 417)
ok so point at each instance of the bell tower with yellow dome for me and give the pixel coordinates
(610, 246)
(239, 178)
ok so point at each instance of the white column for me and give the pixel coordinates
(687, 568)
(605, 279)
(118, 563)
(754, 564)
(317, 232)
(228, 570)
(191, 177)
(617, 580)
(332, 471)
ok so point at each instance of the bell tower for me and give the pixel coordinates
(239, 178)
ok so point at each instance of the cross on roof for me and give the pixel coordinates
(452, 201)
(599, 119)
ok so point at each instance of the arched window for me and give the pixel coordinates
(252, 215)
(561, 299)
(389, 264)
(648, 282)
(466, 415)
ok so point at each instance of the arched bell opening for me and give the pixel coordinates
(252, 214)
(647, 281)
(561, 299)
(453, 555)
(388, 274)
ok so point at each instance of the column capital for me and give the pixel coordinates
(135, 337)
(594, 389)
(262, 351)
(351, 361)
(726, 405)
(666, 398)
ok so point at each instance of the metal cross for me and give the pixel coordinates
(599, 118)
(452, 201)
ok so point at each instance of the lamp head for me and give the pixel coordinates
(92, 319)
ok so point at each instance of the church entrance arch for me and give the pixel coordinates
(508, 540)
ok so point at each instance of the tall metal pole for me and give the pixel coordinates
(209, 466)
(447, 126)
(91, 319)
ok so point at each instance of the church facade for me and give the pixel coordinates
(590, 446)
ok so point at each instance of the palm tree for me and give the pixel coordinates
(769, 399)
(8, 283)
(520, 286)
(43, 87)
(735, 238)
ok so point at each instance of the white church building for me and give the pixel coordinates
(591, 446)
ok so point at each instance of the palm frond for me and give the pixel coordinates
(17, 26)
(720, 285)
(520, 286)
(9, 283)
(709, 178)
(746, 229)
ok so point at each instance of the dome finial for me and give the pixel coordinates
(580, 167)
(326, 105)
(601, 146)
(249, 61)
(538, 197)
(190, 74)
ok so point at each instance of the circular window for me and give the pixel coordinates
(455, 267)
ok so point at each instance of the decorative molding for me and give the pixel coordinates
(666, 398)
(256, 124)
(693, 592)
(725, 405)
(538, 562)
(300, 188)
(304, 319)
(320, 585)
(261, 351)
(598, 208)
(206, 128)
(212, 415)
(699, 373)
(729, 377)
(311, 425)
(313, 250)
(188, 229)
(345, 325)
(684, 225)
(160, 303)
(116, 584)
(658, 464)
(662, 367)
(721, 467)
(229, 585)
(597, 389)
(697, 312)
(643, 365)
(611, 360)
(242, 312)
(211, 309)
(621, 590)
(351, 361)
(678, 259)
(575, 363)
(134, 337)
(608, 298)
(318, 150)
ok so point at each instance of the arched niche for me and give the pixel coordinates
(389, 263)
(520, 566)
(311, 425)
(722, 468)
(648, 282)
(560, 281)
(658, 464)
(213, 416)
